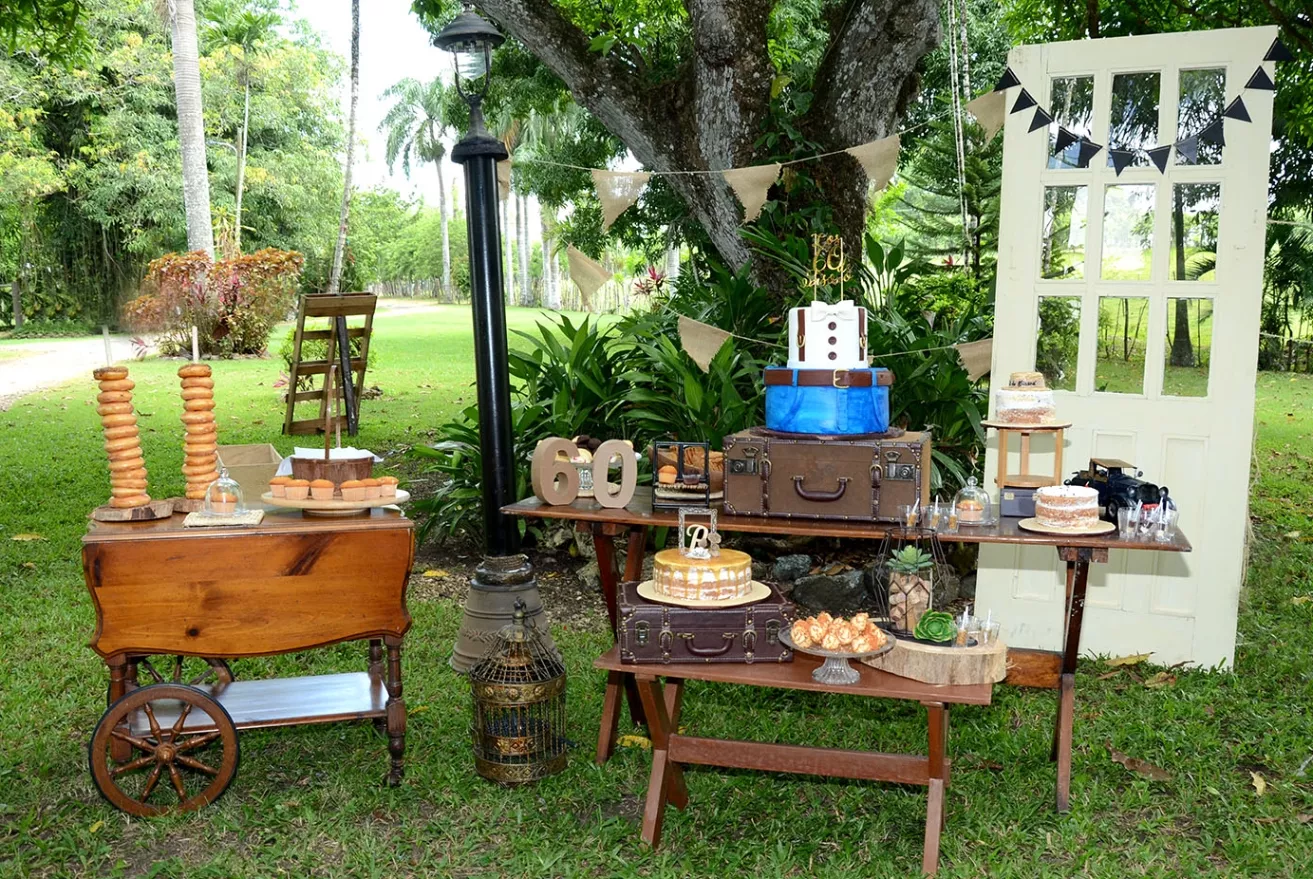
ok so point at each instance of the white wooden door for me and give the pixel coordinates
(1101, 280)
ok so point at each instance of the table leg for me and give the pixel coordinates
(1078, 572)
(377, 671)
(607, 730)
(666, 784)
(396, 708)
(119, 752)
(608, 571)
(937, 718)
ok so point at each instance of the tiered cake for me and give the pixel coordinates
(1026, 400)
(722, 577)
(1069, 507)
(827, 387)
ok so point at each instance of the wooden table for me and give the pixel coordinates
(1078, 552)
(290, 583)
(671, 749)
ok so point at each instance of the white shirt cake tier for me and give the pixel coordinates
(824, 336)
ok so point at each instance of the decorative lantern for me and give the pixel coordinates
(910, 561)
(519, 705)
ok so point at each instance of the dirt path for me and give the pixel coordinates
(43, 363)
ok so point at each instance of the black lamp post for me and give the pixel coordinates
(505, 574)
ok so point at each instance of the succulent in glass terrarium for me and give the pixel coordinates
(224, 496)
(909, 586)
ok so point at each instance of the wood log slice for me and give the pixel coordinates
(156, 509)
(943, 664)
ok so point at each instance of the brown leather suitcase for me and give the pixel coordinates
(814, 477)
(662, 633)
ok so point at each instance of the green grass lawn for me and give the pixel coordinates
(308, 801)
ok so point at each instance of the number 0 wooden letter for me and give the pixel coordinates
(628, 474)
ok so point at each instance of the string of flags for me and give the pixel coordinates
(989, 112)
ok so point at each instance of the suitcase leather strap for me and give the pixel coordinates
(829, 378)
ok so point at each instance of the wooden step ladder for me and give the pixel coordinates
(324, 305)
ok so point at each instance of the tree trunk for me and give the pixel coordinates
(446, 234)
(508, 244)
(1182, 348)
(16, 298)
(241, 165)
(339, 251)
(672, 265)
(526, 283)
(191, 128)
(551, 290)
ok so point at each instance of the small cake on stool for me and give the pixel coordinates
(1026, 400)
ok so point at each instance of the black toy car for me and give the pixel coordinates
(1117, 488)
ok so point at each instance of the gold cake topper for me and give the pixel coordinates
(829, 263)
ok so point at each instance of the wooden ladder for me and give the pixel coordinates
(347, 305)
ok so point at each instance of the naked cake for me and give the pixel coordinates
(721, 577)
(1026, 400)
(1069, 507)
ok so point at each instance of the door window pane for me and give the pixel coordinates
(1194, 231)
(1123, 329)
(1134, 120)
(1058, 341)
(1201, 100)
(1062, 252)
(1127, 232)
(1071, 101)
(1189, 347)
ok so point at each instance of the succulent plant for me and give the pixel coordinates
(909, 560)
(936, 625)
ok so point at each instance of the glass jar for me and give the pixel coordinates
(224, 496)
(972, 505)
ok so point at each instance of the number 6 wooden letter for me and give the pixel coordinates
(554, 481)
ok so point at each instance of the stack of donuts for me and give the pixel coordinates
(200, 463)
(127, 467)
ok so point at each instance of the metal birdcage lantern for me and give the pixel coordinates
(910, 561)
(519, 706)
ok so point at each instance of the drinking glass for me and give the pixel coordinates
(1127, 521)
(909, 513)
(989, 632)
(1166, 530)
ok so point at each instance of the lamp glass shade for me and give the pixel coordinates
(471, 62)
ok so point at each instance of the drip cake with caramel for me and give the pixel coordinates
(722, 577)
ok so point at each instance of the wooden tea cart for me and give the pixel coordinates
(197, 597)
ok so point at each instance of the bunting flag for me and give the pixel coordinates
(1188, 149)
(1008, 80)
(504, 179)
(1065, 139)
(1278, 52)
(1121, 159)
(1041, 120)
(587, 273)
(1024, 101)
(1260, 80)
(1236, 110)
(1088, 150)
(1158, 155)
(751, 185)
(618, 190)
(879, 159)
(990, 109)
(975, 357)
(701, 341)
(1213, 133)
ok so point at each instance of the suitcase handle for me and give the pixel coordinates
(707, 651)
(807, 495)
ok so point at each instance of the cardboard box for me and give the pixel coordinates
(252, 465)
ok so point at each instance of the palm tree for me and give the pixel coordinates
(191, 126)
(335, 279)
(415, 127)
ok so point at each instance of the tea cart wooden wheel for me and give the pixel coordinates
(216, 671)
(183, 750)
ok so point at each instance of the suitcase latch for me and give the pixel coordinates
(749, 644)
(667, 642)
(773, 632)
(641, 629)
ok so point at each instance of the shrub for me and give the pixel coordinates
(40, 328)
(234, 303)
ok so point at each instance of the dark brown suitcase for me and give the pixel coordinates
(812, 477)
(663, 633)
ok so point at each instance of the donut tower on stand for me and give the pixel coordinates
(200, 447)
(127, 466)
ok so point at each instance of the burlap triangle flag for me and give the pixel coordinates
(701, 341)
(587, 273)
(990, 110)
(879, 159)
(751, 185)
(617, 190)
(504, 179)
(976, 357)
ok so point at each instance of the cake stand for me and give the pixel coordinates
(1100, 527)
(835, 670)
(335, 507)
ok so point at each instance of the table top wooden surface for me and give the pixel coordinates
(797, 675)
(277, 521)
(640, 512)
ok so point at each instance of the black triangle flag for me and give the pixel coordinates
(1158, 155)
(1121, 159)
(1088, 150)
(1065, 139)
(1278, 52)
(1260, 80)
(1236, 110)
(1213, 133)
(1006, 81)
(1188, 149)
(1024, 100)
(1041, 120)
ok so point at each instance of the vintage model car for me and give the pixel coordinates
(1117, 487)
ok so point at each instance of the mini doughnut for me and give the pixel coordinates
(138, 484)
(127, 491)
(118, 420)
(197, 382)
(119, 445)
(139, 473)
(120, 384)
(127, 503)
(123, 464)
(110, 373)
(204, 405)
(114, 409)
(113, 433)
(114, 397)
(200, 428)
(197, 418)
(197, 393)
(194, 370)
(200, 468)
(207, 447)
(202, 479)
(194, 494)
(125, 454)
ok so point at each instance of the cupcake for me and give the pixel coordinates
(278, 486)
(353, 490)
(667, 474)
(224, 503)
(322, 489)
(297, 489)
(387, 486)
(372, 490)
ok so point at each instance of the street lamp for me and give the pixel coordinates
(505, 575)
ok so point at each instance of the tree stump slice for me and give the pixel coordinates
(942, 664)
(161, 509)
(187, 505)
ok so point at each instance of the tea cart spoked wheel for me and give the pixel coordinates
(183, 747)
(215, 671)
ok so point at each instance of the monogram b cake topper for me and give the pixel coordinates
(696, 540)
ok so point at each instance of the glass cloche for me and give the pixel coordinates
(224, 496)
(973, 506)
